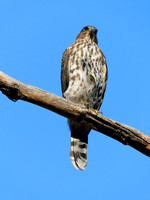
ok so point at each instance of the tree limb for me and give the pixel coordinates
(16, 90)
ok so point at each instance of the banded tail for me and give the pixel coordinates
(79, 145)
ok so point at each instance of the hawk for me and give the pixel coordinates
(83, 80)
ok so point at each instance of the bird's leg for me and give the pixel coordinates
(94, 110)
(97, 111)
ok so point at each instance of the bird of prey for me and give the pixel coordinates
(83, 80)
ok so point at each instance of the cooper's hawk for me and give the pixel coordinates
(83, 79)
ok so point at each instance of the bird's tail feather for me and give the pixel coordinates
(78, 153)
(79, 144)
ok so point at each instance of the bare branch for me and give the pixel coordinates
(16, 90)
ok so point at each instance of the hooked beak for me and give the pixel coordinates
(94, 31)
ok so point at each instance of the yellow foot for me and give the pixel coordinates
(97, 111)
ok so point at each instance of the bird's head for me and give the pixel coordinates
(89, 33)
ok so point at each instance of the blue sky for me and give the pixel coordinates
(35, 142)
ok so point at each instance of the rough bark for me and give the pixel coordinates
(16, 90)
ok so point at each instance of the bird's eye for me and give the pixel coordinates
(85, 28)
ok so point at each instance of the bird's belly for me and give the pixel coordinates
(82, 93)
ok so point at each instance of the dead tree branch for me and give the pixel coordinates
(16, 90)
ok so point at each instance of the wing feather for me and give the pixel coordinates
(65, 71)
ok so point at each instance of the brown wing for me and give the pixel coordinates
(104, 77)
(65, 72)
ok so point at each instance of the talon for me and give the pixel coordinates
(97, 111)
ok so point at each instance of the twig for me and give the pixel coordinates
(16, 90)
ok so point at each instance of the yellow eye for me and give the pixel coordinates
(85, 28)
